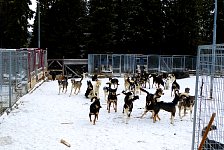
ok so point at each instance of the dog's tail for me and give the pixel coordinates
(135, 98)
(81, 78)
(143, 90)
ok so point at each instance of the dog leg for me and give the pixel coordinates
(158, 116)
(172, 118)
(65, 89)
(127, 119)
(78, 91)
(90, 117)
(180, 113)
(59, 90)
(71, 92)
(191, 113)
(105, 97)
(109, 107)
(94, 121)
(145, 112)
(152, 115)
(115, 107)
(154, 118)
(97, 116)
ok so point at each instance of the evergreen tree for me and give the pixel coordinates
(61, 29)
(14, 17)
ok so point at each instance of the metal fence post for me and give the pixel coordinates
(10, 79)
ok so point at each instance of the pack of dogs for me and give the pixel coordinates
(134, 85)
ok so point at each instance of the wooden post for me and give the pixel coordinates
(206, 131)
(63, 66)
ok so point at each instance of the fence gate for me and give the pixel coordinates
(209, 95)
(116, 63)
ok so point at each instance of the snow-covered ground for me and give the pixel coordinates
(43, 118)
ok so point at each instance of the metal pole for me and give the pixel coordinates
(38, 13)
(213, 50)
(10, 79)
(196, 98)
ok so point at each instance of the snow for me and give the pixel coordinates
(42, 118)
(32, 7)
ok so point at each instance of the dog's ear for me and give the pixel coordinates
(136, 97)
(123, 92)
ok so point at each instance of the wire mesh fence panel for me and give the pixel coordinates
(209, 98)
(130, 63)
(17, 68)
(9, 78)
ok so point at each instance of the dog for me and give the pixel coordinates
(167, 106)
(144, 79)
(126, 82)
(114, 81)
(168, 80)
(76, 85)
(175, 86)
(186, 103)
(138, 85)
(106, 92)
(151, 100)
(112, 99)
(96, 87)
(89, 90)
(211, 144)
(131, 84)
(94, 77)
(157, 80)
(128, 104)
(94, 109)
(62, 83)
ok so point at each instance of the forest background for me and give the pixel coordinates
(76, 28)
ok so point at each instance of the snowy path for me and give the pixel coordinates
(43, 118)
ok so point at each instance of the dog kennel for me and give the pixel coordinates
(20, 70)
(131, 63)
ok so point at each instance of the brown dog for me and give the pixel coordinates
(76, 85)
(62, 83)
(186, 103)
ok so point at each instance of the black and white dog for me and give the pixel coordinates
(167, 106)
(106, 92)
(175, 86)
(94, 109)
(89, 91)
(112, 99)
(114, 81)
(128, 104)
(151, 100)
